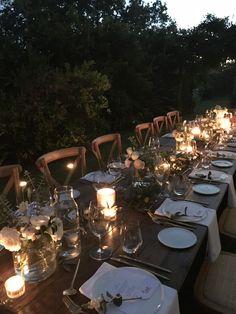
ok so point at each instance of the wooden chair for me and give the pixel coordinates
(143, 132)
(227, 228)
(78, 161)
(113, 140)
(215, 287)
(10, 174)
(160, 124)
(173, 117)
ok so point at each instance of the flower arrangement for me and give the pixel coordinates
(30, 230)
(133, 158)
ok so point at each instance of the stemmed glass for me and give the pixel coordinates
(99, 225)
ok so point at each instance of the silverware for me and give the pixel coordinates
(71, 290)
(188, 200)
(119, 260)
(72, 306)
(144, 263)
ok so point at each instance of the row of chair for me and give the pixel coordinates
(159, 125)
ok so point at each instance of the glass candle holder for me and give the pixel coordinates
(15, 287)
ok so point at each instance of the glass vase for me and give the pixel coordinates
(36, 260)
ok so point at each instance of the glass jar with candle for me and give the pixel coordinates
(67, 210)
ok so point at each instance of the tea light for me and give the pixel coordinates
(109, 213)
(106, 197)
(196, 131)
(15, 286)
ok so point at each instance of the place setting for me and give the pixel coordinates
(186, 214)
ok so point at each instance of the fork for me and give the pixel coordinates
(72, 306)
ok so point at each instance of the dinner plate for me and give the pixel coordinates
(99, 177)
(231, 144)
(206, 189)
(222, 163)
(177, 238)
(137, 276)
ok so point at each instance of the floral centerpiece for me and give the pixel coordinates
(30, 232)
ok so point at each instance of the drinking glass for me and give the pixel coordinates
(131, 237)
(180, 185)
(206, 160)
(99, 225)
(115, 167)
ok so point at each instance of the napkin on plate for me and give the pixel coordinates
(169, 305)
(99, 177)
(221, 177)
(209, 220)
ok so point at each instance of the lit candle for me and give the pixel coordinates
(196, 131)
(106, 197)
(109, 213)
(15, 286)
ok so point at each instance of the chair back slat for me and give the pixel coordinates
(160, 124)
(173, 117)
(143, 132)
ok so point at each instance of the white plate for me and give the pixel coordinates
(177, 238)
(99, 177)
(231, 144)
(206, 189)
(135, 275)
(222, 163)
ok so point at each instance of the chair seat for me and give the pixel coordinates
(215, 287)
(227, 222)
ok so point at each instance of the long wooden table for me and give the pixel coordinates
(46, 297)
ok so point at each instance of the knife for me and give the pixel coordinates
(119, 260)
(144, 263)
(188, 200)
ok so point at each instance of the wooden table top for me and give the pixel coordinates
(46, 297)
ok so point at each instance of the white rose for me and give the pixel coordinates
(139, 164)
(135, 155)
(38, 221)
(10, 239)
(127, 163)
(129, 151)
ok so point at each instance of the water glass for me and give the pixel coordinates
(206, 161)
(180, 185)
(131, 237)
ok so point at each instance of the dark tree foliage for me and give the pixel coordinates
(71, 70)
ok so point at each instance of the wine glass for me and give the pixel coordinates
(99, 225)
(131, 237)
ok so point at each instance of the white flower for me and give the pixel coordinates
(135, 155)
(129, 151)
(59, 232)
(29, 233)
(127, 163)
(38, 221)
(139, 164)
(10, 239)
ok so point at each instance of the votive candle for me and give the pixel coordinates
(15, 286)
(106, 197)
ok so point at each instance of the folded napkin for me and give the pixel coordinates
(99, 177)
(209, 220)
(220, 177)
(223, 154)
(169, 304)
